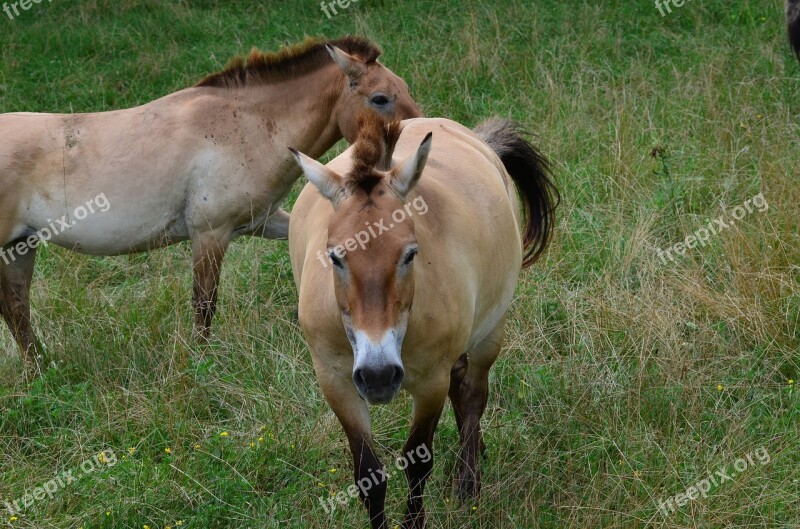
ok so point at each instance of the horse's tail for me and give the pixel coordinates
(793, 24)
(530, 171)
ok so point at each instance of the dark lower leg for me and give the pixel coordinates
(474, 396)
(208, 253)
(418, 454)
(370, 478)
(457, 375)
(471, 397)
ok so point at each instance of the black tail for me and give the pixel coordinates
(793, 24)
(530, 171)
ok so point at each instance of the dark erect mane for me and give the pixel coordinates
(289, 62)
(372, 151)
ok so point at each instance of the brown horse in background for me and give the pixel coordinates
(205, 164)
(405, 272)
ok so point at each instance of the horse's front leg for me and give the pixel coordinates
(208, 251)
(368, 472)
(418, 451)
(16, 273)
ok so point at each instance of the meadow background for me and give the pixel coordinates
(624, 380)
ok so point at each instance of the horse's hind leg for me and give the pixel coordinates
(16, 272)
(469, 393)
(208, 251)
(457, 374)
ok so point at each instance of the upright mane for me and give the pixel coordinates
(373, 150)
(288, 62)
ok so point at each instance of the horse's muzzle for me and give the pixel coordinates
(379, 384)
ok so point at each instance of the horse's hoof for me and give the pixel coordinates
(415, 520)
(469, 486)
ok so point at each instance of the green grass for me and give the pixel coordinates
(606, 397)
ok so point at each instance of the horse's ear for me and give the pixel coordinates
(406, 175)
(349, 64)
(328, 182)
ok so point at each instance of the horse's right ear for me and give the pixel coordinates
(328, 182)
(349, 64)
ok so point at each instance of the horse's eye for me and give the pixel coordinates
(410, 257)
(380, 100)
(334, 259)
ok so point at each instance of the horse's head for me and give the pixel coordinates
(371, 246)
(369, 85)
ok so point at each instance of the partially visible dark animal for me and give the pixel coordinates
(793, 24)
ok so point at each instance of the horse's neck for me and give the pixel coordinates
(298, 113)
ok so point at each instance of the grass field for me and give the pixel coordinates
(625, 380)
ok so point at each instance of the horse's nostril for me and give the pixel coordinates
(397, 377)
(358, 378)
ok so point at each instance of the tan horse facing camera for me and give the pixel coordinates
(207, 163)
(405, 272)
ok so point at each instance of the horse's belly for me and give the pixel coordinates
(95, 235)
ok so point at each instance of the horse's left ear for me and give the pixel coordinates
(406, 175)
(349, 64)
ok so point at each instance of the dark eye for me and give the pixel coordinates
(379, 100)
(410, 257)
(334, 259)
